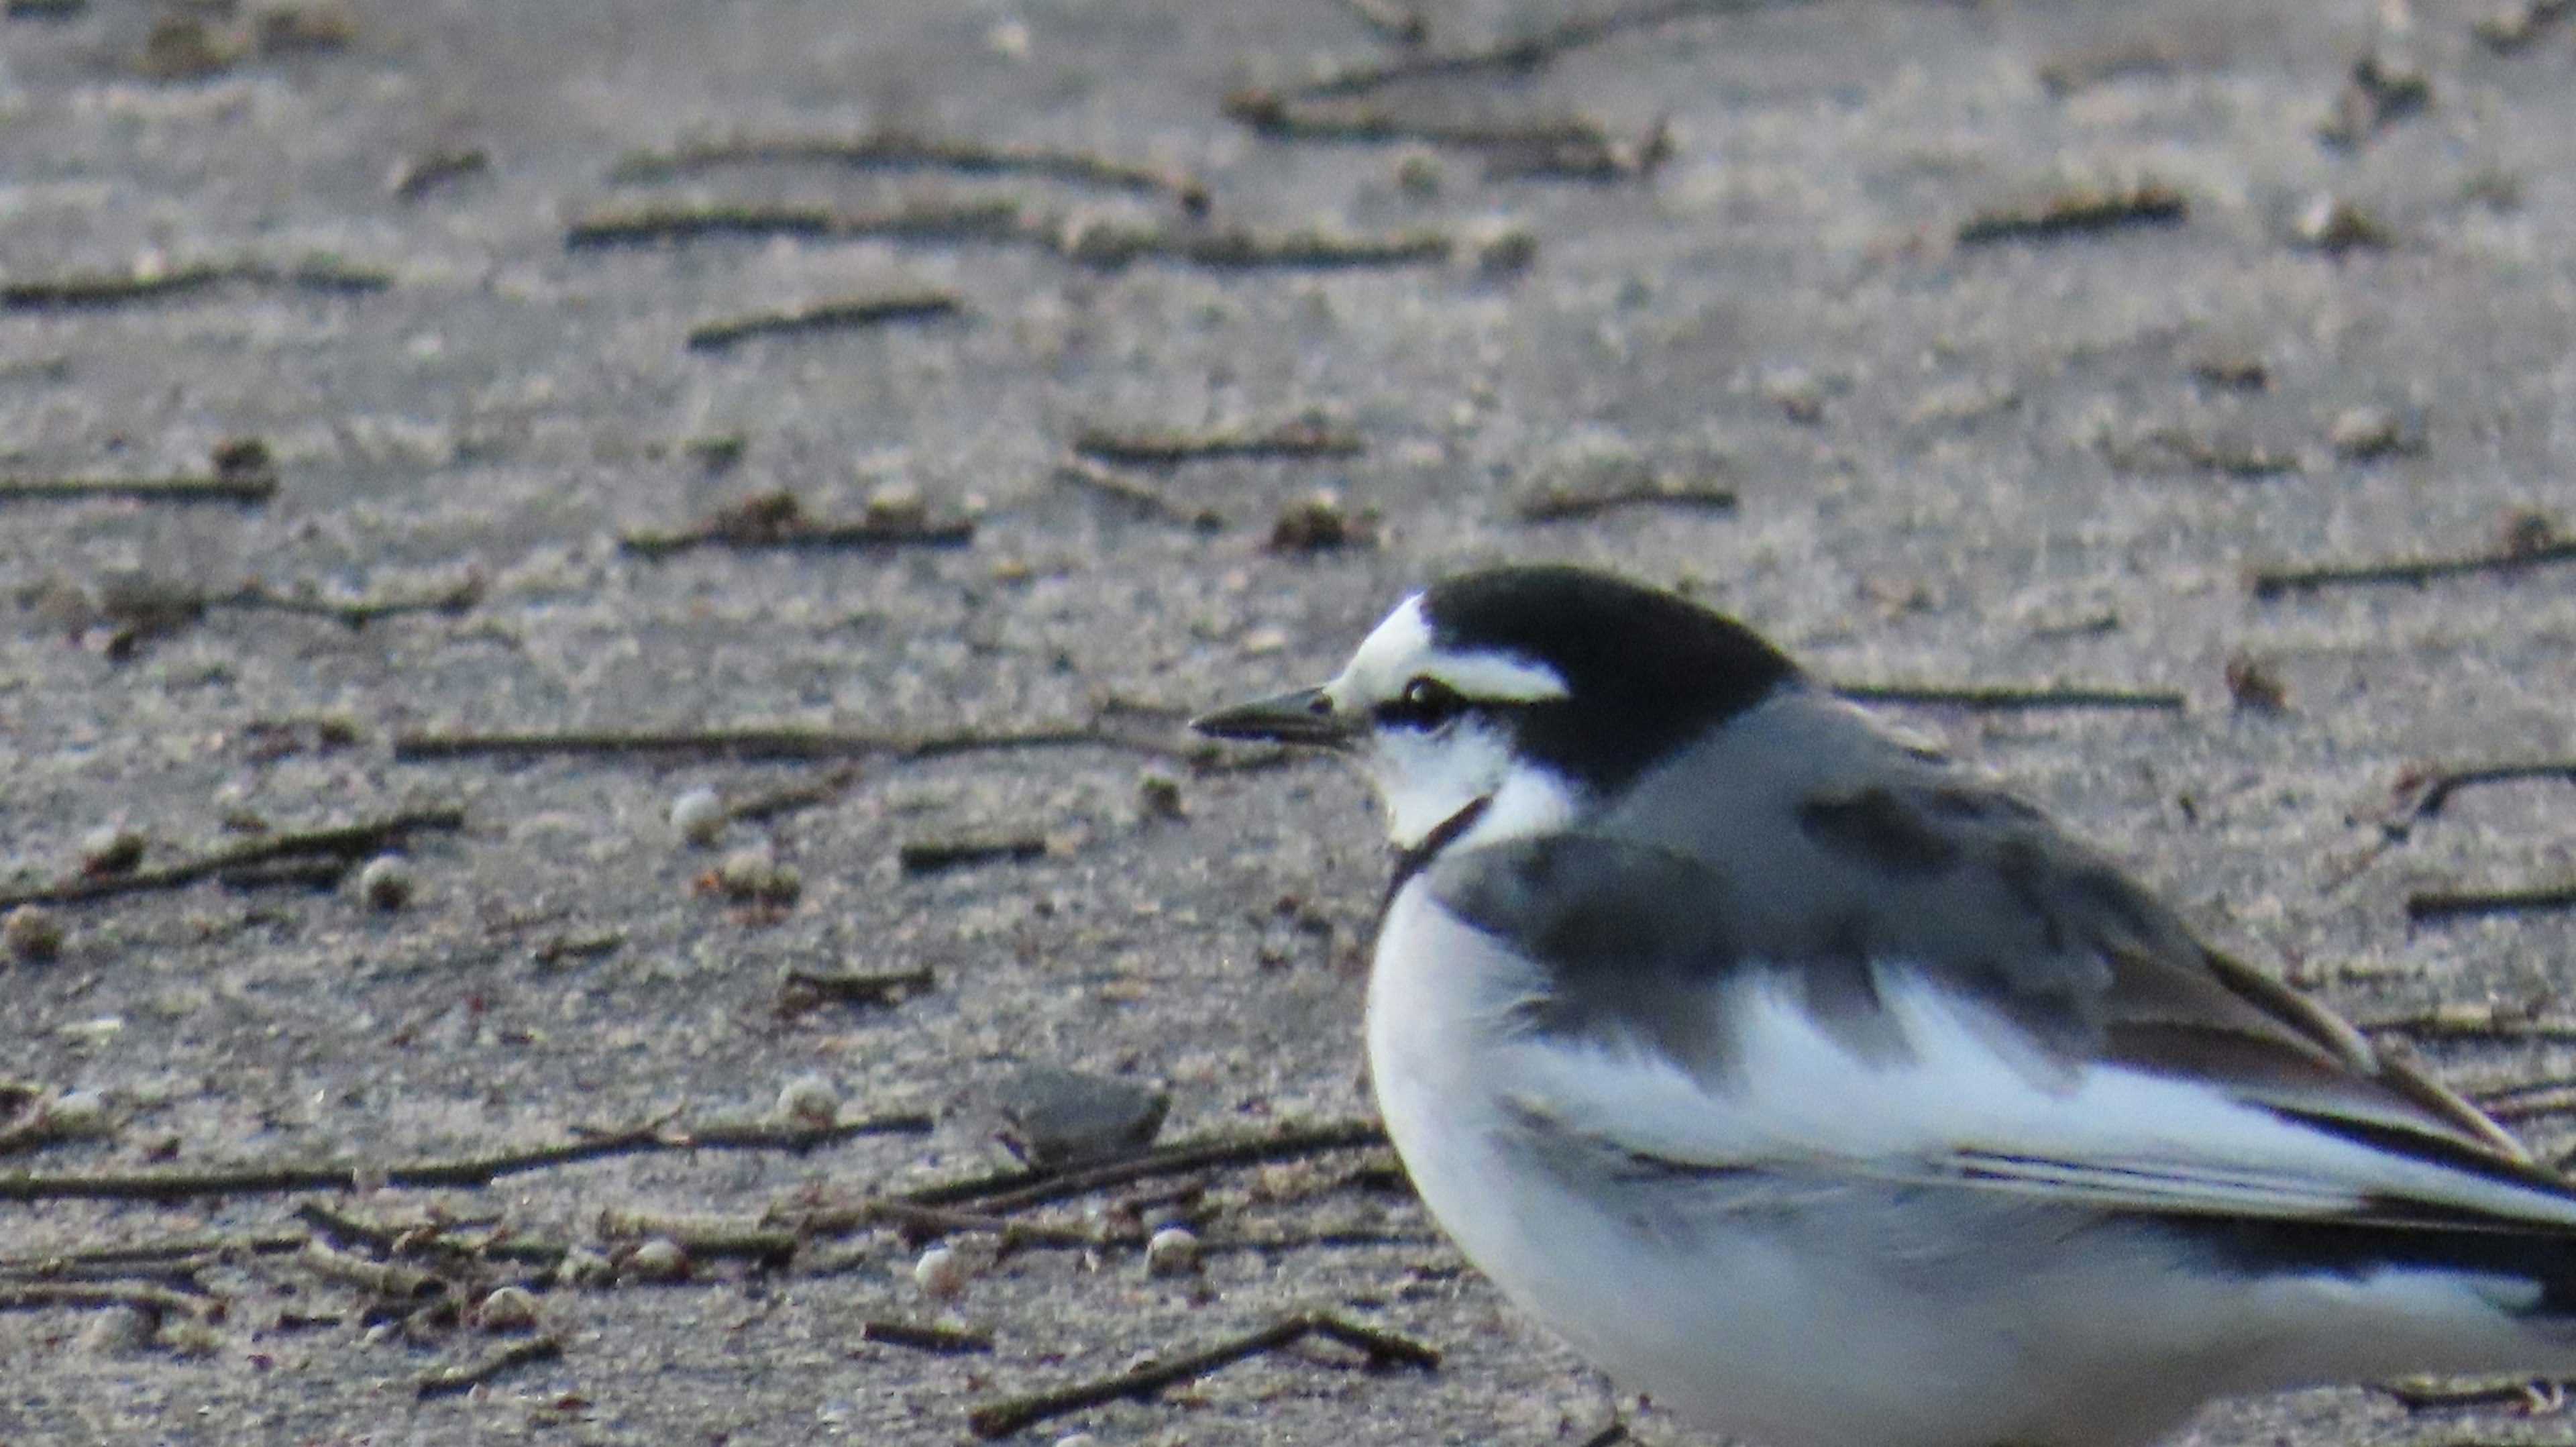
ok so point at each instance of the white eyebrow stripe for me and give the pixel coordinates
(1496, 676)
(1402, 648)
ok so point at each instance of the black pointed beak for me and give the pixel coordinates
(1305, 716)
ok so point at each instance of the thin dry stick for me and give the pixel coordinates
(1111, 246)
(1524, 53)
(150, 1253)
(1299, 437)
(246, 488)
(263, 1179)
(148, 1299)
(807, 988)
(927, 221)
(2005, 698)
(754, 744)
(2433, 791)
(358, 614)
(2472, 1024)
(85, 290)
(347, 841)
(2274, 582)
(846, 315)
(902, 151)
(816, 534)
(1083, 472)
(2078, 211)
(1008, 1191)
(945, 1340)
(456, 1380)
(2456, 904)
(1002, 1418)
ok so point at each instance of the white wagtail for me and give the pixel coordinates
(1831, 1095)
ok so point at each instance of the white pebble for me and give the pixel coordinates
(699, 816)
(659, 1259)
(941, 1274)
(81, 1115)
(1077, 1439)
(1172, 1251)
(117, 1329)
(507, 1308)
(386, 883)
(809, 1100)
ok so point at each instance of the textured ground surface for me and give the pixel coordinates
(2021, 462)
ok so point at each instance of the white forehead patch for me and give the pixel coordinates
(1401, 649)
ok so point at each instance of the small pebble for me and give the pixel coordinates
(117, 1329)
(1417, 174)
(754, 876)
(658, 1259)
(81, 1115)
(941, 1274)
(1507, 253)
(1077, 1439)
(2361, 433)
(507, 1308)
(386, 883)
(111, 850)
(33, 933)
(810, 1100)
(699, 817)
(1172, 1251)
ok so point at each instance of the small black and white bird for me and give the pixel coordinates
(1830, 1094)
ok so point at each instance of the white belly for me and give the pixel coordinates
(1840, 1313)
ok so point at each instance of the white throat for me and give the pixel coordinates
(1427, 779)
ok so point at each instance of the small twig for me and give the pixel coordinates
(923, 221)
(2454, 904)
(148, 1253)
(2474, 1022)
(1008, 1191)
(1297, 437)
(2273, 582)
(345, 842)
(256, 489)
(802, 990)
(932, 856)
(2432, 792)
(944, 1340)
(2005, 698)
(1586, 497)
(1083, 472)
(702, 1235)
(902, 151)
(455, 1380)
(80, 290)
(430, 170)
(2530, 1100)
(154, 1301)
(448, 602)
(379, 1278)
(1287, 117)
(756, 744)
(2535, 1395)
(2083, 210)
(824, 317)
(1109, 245)
(1002, 1418)
(265, 1179)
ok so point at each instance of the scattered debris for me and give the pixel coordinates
(2124, 59)
(802, 991)
(457, 1380)
(241, 471)
(2388, 82)
(777, 519)
(344, 845)
(2366, 434)
(846, 315)
(945, 1340)
(753, 875)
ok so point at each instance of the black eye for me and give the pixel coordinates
(1426, 703)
